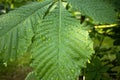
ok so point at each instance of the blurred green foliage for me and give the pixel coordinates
(105, 63)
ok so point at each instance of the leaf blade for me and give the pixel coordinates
(55, 50)
(17, 31)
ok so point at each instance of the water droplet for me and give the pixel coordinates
(5, 64)
(18, 51)
(68, 77)
(49, 39)
(43, 38)
(62, 70)
(51, 22)
(72, 71)
(13, 47)
(52, 78)
(62, 67)
(5, 47)
(66, 24)
(29, 30)
(0, 28)
(79, 71)
(11, 59)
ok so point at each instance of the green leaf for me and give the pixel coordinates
(95, 70)
(100, 11)
(60, 47)
(17, 29)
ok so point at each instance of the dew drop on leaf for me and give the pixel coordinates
(62, 67)
(11, 59)
(0, 28)
(52, 79)
(29, 30)
(66, 24)
(18, 51)
(49, 39)
(5, 47)
(43, 38)
(51, 22)
(62, 70)
(5, 64)
(68, 77)
(13, 47)
(72, 71)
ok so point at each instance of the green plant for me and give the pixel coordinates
(59, 44)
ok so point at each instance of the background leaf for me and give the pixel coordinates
(100, 11)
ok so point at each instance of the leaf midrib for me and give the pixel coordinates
(59, 36)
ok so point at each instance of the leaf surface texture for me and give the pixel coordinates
(61, 47)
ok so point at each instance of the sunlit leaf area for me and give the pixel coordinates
(59, 40)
